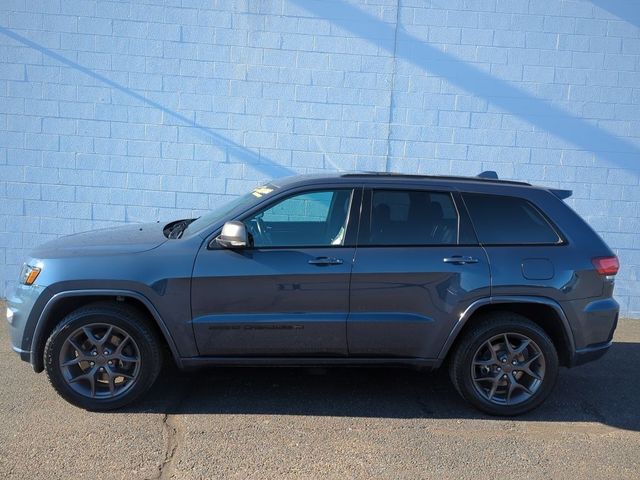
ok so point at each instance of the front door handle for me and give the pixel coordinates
(320, 261)
(459, 260)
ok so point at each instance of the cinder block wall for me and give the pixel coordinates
(114, 112)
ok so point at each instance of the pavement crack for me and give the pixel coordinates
(174, 436)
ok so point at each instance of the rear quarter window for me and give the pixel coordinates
(505, 220)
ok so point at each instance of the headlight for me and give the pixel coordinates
(29, 274)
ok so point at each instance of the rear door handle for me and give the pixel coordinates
(459, 260)
(320, 261)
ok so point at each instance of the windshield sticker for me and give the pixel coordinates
(260, 191)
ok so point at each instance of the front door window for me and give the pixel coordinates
(310, 219)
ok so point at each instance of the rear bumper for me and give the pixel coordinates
(593, 322)
(589, 354)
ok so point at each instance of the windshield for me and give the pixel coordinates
(239, 203)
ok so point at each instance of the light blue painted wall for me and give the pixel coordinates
(116, 112)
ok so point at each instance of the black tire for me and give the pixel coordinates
(125, 321)
(463, 367)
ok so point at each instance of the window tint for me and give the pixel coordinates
(408, 217)
(310, 207)
(502, 220)
(307, 219)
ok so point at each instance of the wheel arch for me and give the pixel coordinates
(62, 303)
(545, 312)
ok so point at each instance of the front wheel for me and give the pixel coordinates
(102, 357)
(505, 365)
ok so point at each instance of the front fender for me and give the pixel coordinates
(41, 325)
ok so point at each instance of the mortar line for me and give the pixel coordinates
(393, 86)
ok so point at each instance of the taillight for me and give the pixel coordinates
(606, 265)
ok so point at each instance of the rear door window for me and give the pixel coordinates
(412, 217)
(505, 220)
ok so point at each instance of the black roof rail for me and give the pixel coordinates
(488, 176)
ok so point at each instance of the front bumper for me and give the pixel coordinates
(21, 302)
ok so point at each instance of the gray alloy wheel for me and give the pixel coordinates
(100, 360)
(103, 356)
(504, 364)
(508, 369)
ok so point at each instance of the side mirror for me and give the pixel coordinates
(233, 235)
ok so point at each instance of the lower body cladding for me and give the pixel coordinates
(200, 362)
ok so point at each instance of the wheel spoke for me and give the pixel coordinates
(530, 360)
(90, 336)
(533, 374)
(106, 336)
(494, 352)
(526, 366)
(511, 382)
(73, 361)
(92, 382)
(523, 346)
(491, 361)
(84, 376)
(125, 358)
(121, 356)
(494, 387)
(484, 379)
(81, 355)
(111, 381)
(90, 377)
(76, 347)
(507, 344)
(521, 386)
(121, 345)
(484, 363)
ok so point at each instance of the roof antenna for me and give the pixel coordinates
(488, 174)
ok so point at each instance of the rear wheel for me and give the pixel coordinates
(505, 365)
(102, 357)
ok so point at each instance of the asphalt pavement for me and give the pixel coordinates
(324, 423)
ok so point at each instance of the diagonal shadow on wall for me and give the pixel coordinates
(537, 112)
(261, 163)
(626, 10)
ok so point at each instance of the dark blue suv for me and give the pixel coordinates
(500, 281)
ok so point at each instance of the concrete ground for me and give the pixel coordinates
(334, 423)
